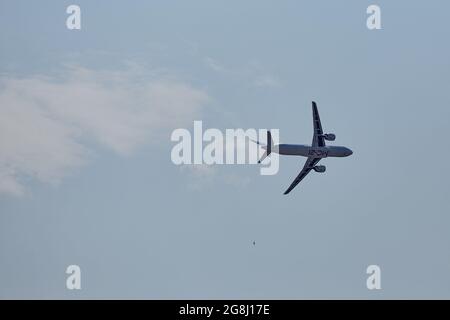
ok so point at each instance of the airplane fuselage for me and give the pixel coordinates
(309, 151)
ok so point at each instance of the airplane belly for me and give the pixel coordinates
(336, 151)
(318, 152)
(293, 150)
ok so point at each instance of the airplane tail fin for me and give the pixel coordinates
(269, 143)
(267, 147)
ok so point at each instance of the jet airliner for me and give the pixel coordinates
(314, 152)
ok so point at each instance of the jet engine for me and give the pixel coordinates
(320, 169)
(329, 136)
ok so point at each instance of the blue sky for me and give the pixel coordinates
(86, 176)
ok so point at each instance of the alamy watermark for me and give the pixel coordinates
(236, 146)
(73, 281)
(374, 280)
(73, 21)
(373, 22)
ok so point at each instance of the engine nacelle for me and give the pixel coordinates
(320, 169)
(329, 136)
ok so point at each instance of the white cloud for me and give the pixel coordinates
(252, 73)
(49, 124)
(215, 65)
(237, 180)
(267, 81)
(202, 176)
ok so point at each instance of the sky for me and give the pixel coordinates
(86, 176)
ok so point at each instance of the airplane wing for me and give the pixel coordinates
(309, 164)
(318, 140)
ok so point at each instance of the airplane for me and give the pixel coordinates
(314, 152)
